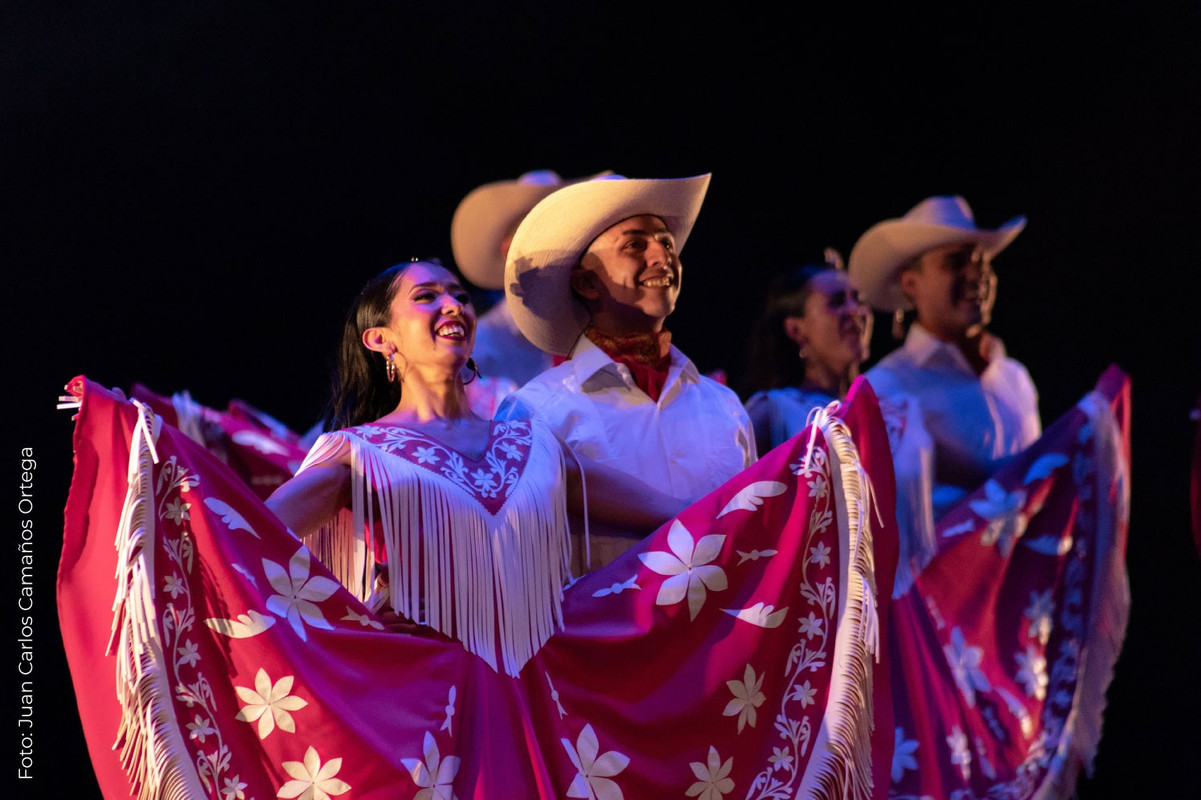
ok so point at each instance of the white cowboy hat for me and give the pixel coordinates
(876, 259)
(487, 215)
(557, 232)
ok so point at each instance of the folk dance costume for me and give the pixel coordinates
(242, 666)
(689, 438)
(779, 414)
(1003, 639)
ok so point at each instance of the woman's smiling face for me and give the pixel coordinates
(432, 320)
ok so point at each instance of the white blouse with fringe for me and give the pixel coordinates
(476, 549)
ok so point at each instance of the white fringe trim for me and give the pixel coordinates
(190, 415)
(153, 752)
(1109, 606)
(493, 583)
(845, 734)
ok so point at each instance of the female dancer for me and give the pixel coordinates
(812, 312)
(398, 394)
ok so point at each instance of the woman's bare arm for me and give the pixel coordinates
(307, 501)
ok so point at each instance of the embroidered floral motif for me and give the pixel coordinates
(269, 704)
(799, 709)
(713, 781)
(176, 621)
(435, 776)
(1032, 672)
(902, 755)
(595, 770)
(493, 478)
(961, 756)
(747, 698)
(688, 568)
(298, 593)
(313, 780)
(1039, 613)
(819, 554)
(965, 666)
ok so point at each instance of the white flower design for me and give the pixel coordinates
(965, 665)
(805, 693)
(1039, 613)
(820, 554)
(594, 772)
(484, 481)
(902, 755)
(298, 593)
(269, 704)
(780, 759)
(510, 450)
(960, 755)
(1003, 510)
(811, 626)
(435, 776)
(689, 569)
(1032, 672)
(188, 654)
(232, 790)
(200, 728)
(177, 510)
(427, 455)
(713, 781)
(747, 698)
(174, 586)
(312, 779)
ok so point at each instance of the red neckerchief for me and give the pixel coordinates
(646, 355)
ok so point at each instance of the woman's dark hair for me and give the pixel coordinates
(772, 362)
(359, 387)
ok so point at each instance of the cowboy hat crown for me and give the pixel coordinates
(877, 258)
(557, 232)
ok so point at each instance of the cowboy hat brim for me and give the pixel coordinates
(876, 259)
(557, 232)
(483, 219)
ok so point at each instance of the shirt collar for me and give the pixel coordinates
(587, 360)
(926, 348)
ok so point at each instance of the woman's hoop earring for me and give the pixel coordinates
(475, 371)
(390, 368)
(898, 324)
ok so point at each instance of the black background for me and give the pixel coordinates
(193, 191)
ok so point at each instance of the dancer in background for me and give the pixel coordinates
(593, 274)
(1011, 597)
(480, 232)
(979, 405)
(806, 348)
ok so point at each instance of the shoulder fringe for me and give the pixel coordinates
(153, 752)
(1109, 608)
(493, 583)
(844, 769)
